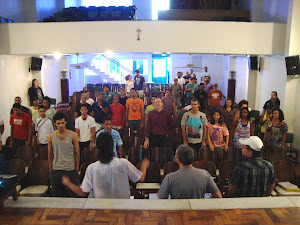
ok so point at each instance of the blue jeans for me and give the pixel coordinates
(134, 124)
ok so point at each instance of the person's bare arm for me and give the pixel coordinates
(142, 114)
(211, 146)
(217, 194)
(2, 129)
(120, 152)
(262, 121)
(226, 143)
(184, 135)
(50, 151)
(126, 117)
(205, 135)
(76, 189)
(270, 189)
(144, 167)
(263, 113)
(174, 108)
(105, 110)
(251, 128)
(233, 131)
(27, 142)
(231, 190)
(77, 131)
(92, 113)
(283, 141)
(76, 149)
(93, 137)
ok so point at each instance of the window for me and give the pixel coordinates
(88, 3)
(159, 5)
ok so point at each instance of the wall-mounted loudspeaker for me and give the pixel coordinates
(36, 63)
(292, 65)
(253, 63)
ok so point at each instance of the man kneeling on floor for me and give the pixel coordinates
(108, 177)
(188, 182)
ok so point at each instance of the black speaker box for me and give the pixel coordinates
(253, 63)
(36, 63)
(292, 65)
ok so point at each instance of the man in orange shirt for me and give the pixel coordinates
(134, 111)
(215, 95)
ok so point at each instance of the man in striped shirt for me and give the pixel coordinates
(254, 177)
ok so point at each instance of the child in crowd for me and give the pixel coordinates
(43, 127)
(217, 130)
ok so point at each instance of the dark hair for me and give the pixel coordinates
(220, 121)
(32, 82)
(105, 85)
(86, 91)
(242, 102)
(275, 92)
(185, 154)
(83, 105)
(281, 115)
(18, 97)
(249, 116)
(42, 107)
(195, 100)
(127, 77)
(137, 71)
(59, 116)
(201, 84)
(105, 145)
(106, 119)
(17, 105)
(101, 93)
(224, 107)
(168, 90)
(47, 99)
(153, 96)
(132, 89)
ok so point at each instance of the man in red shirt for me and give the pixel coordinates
(215, 95)
(21, 125)
(117, 113)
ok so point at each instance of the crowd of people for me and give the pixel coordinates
(204, 123)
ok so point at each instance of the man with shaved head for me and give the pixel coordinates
(159, 125)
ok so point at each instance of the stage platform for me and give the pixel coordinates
(267, 210)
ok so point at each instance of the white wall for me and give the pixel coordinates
(144, 9)
(156, 36)
(242, 75)
(252, 84)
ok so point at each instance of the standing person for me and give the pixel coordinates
(242, 128)
(177, 92)
(34, 109)
(205, 74)
(201, 95)
(215, 96)
(274, 102)
(83, 101)
(187, 78)
(169, 103)
(149, 108)
(228, 113)
(207, 84)
(23, 108)
(134, 111)
(254, 177)
(35, 92)
(117, 148)
(120, 171)
(193, 126)
(85, 128)
(129, 84)
(181, 80)
(50, 112)
(123, 98)
(1, 125)
(190, 89)
(88, 98)
(139, 83)
(43, 127)
(188, 182)
(21, 127)
(100, 110)
(63, 156)
(117, 113)
(264, 121)
(242, 104)
(108, 95)
(276, 130)
(159, 125)
(217, 130)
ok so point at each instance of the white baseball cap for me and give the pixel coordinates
(253, 142)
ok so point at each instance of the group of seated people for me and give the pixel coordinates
(97, 124)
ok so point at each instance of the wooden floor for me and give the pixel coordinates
(146, 217)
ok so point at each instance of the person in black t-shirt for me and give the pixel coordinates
(123, 97)
(274, 102)
(23, 108)
(78, 106)
(201, 95)
(139, 83)
(187, 78)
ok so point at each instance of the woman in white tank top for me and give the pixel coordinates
(129, 84)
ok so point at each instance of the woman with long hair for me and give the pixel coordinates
(35, 92)
(129, 84)
(276, 130)
(228, 114)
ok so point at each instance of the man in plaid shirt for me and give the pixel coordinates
(254, 177)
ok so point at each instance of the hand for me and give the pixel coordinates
(203, 144)
(38, 142)
(65, 180)
(146, 143)
(226, 147)
(27, 142)
(146, 163)
(141, 125)
(283, 147)
(91, 147)
(185, 143)
(211, 147)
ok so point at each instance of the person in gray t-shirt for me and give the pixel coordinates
(188, 182)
